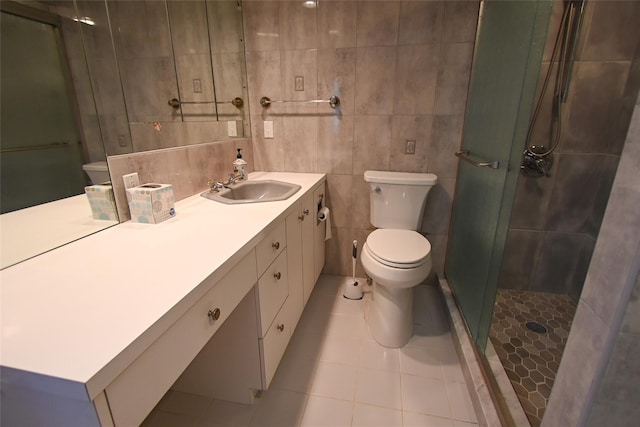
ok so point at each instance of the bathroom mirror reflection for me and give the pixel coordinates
(82, 80)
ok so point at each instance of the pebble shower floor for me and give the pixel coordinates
(531, 359)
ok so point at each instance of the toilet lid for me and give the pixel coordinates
(398, 248)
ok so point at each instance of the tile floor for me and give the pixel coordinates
(530, 359)
(334, 374)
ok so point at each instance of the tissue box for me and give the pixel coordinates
(151, 203)
(102, 202)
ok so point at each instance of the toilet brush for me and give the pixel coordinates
(352, 290)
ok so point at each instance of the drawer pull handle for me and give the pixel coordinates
(280, 327)
(301, 217)
(275, 245)
(214, 314)
(277, 275)
(306, 211)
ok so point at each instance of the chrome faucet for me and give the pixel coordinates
(232, 179)
(216, 186)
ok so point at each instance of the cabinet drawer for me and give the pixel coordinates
(270, 247)
(274, 344)
(134, 393)
(273, 288)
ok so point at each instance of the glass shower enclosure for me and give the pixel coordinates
(508, 54)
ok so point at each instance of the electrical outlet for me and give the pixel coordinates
(299, 83)
(232, 128)
(268, 129)
(410, 147)
(122, 140)
(131, 180)
(197, 86)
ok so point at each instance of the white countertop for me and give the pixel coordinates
(31, 231)
(84, 311)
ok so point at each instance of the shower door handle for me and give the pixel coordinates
(464, 155)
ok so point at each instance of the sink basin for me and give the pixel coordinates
(253, 192)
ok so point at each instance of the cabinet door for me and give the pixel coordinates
(134, 393)
(294, 263)
(309, 210)
(319, 233)
(274, 344)
(273, 289)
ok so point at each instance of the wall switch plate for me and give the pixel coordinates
(122, 140)
(197, 86)
(131, 180)
(299, 83)
(268, 129)
(232, 128)
(410, 146)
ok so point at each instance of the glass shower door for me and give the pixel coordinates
(506, 63)
(41, 154)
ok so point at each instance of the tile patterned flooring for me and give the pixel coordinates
(334, 374)
(531, 359)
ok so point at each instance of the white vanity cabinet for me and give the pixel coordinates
(300, 234)
(271, 296)
(307, 235)
(304, 257)
(245, 354)
(141, 386)
(208, 317)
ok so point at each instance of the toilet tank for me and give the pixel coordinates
(398, 198)
(98, 172)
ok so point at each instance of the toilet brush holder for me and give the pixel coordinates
(352, 289)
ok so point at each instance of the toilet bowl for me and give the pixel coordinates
(397, 260)
(395, 255)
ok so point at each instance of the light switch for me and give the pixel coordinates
(410, 146)
(232, 129)
(122, 140)
(268, 129)
(197, 86)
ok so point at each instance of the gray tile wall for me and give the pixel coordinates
(556, 220)
(621, 380)
(186, 168)
(599, 376)
(401, 70)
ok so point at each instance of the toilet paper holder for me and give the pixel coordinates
(319, 205)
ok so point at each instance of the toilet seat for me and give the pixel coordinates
(398, 248)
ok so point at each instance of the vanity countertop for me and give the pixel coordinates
(85, 311)
(32, 231)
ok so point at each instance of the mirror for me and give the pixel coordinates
(136, 76)
(164, 73)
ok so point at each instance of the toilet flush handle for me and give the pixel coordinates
(377, 190)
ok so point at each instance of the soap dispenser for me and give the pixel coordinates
(240, 167)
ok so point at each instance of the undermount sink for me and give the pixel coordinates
(253, 192)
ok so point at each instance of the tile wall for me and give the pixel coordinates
(556, 220)
(401, 70)
(599, 375)
(187, 169)
(622, 376)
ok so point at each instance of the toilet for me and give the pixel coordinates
(98, 172)
(395, 255)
